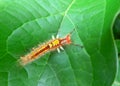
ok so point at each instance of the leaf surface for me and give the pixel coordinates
(25, 24)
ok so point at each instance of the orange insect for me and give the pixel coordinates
(55, 43)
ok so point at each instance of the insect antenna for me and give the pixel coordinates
(71, 33)
(77, 45)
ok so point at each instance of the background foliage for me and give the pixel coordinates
(116, 30)
(24, 24)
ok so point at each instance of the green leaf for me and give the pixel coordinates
(116, 30)
(117, 80)
(116, 27)
(25, 24)
(4, 78)
(118, 45)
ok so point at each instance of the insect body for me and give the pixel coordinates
(55, 43)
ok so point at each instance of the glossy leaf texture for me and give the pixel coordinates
(25, 24)
(116, 30)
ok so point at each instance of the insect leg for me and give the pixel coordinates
(58, 50)
(61, 48)
(53, 37)
(57, 36)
